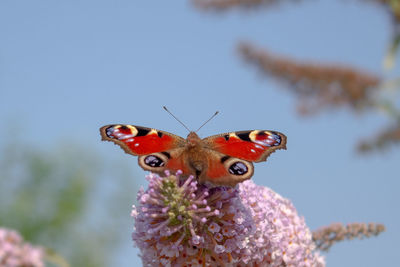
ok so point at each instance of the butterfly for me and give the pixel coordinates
(223, 159)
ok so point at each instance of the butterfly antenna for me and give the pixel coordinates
(164, 107)
(215, 114)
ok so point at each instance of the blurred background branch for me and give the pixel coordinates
(325, 237)
(317, 86)
(224, 5)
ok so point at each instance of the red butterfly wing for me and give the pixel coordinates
(137, 140)
(177, 162)
(253, 146)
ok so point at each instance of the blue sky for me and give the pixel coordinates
(69, 67)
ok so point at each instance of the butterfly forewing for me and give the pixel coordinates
(137, 140)
(255, 145)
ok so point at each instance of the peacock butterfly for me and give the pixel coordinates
(223, 159)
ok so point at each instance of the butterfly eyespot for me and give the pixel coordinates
(153, 161)
(238, 168)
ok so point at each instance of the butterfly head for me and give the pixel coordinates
(193, 139)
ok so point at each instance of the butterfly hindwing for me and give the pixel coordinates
(177, 161)
(254, 146)
(227, 170)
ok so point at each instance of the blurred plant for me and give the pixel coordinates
(47, 197)
(222, 5)
(393, 8)
(318, 86)
(326, 236)
(383, 140)
(14, 252)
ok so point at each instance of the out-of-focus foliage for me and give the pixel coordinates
(393, 9)
(59, 200)
(223, 5)
(318, 86)
(382, 140)
(326, 236)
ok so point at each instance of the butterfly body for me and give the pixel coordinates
(224, 159)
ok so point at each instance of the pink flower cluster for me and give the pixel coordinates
(14, 252)
(182, 223)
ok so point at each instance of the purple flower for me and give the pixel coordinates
(14, 252)
(182, 223)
